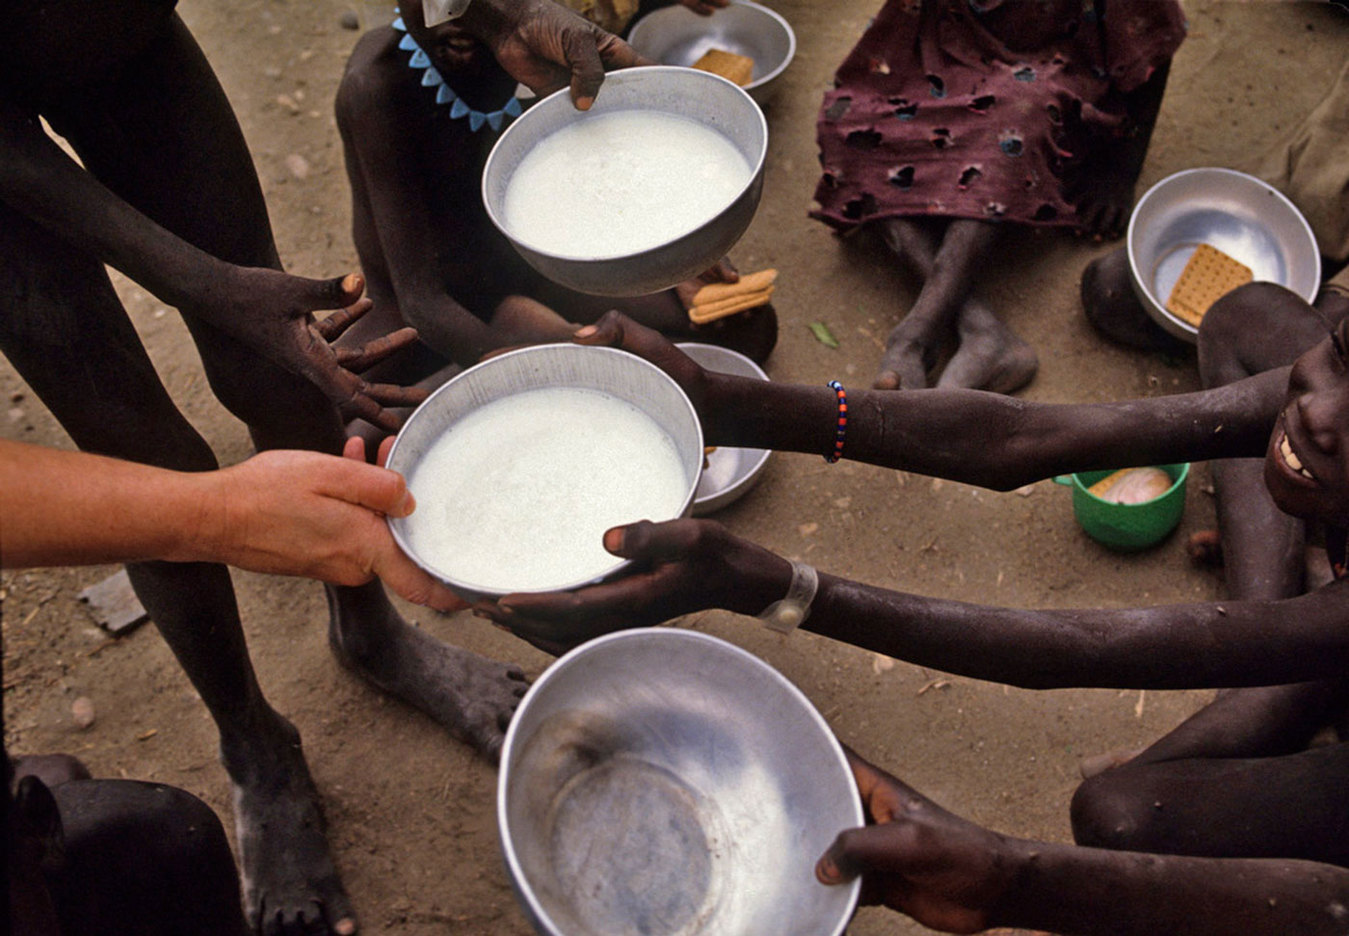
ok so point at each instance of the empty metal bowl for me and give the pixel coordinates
(607, 370)
(662, 781)
(675, 35)
(1240, 215)
(706, 99)
(728, 473)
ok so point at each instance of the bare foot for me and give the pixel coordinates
(290, 882)
(470, 695)
(991, 356)
(910, 352)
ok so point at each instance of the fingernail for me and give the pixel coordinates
(827, 872)
(408, 504)
(613, 539)
(351, 282)
(585, 331)
(583, 103)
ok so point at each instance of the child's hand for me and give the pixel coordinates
(616, 330)
(682, 566)
(944, 871)
(705, 7)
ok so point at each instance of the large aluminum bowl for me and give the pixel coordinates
(675, 35)
(1238, 214)
(709, 100)
(607, 370)
(728, 473)
(662, 781)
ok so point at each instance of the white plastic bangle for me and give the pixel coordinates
(788, 614)
(435, 12)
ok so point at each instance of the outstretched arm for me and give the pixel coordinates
(952, 875)
(691, 565)
(267, 309)
(280, 512)
(987, 439)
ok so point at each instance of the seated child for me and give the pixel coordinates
(419, 110)
(953, 120)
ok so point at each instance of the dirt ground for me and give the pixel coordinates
(411, 811)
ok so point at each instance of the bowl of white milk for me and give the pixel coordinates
(651, 186)
(519, 464)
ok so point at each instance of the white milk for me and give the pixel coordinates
(615, 184)
(516, 496)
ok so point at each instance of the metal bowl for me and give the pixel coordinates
(675, 35)
(1236, 213)
(728, 473)
(707, 99)
(662, 781)
(608, 370)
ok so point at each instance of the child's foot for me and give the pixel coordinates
(990, 357)
(1114, 310)
(910, 354)
(754, 332)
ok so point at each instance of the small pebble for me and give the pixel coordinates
(82, 710)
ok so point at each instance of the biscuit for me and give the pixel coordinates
(737, 68)
(1209, 275)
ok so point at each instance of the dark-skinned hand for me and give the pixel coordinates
(915, 857)
(273, 312)
(681, 566)
(545, 46)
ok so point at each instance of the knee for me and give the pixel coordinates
(1112, 810)
(1237, 328)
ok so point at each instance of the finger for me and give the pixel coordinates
(359, 360)
(655, 542)
(394, 395)
(385, 446)
(615, 53)
(334, 325)
(580, 48)
(354, 448)
(409, 582)
(360, 406)
(365, 485)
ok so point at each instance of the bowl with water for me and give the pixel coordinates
(519, 464)
(650, 187)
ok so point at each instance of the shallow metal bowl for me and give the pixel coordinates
(608, 370)
(675, 35)
(1236, 213)
(705, 98)
(662, 781)
(728, 473)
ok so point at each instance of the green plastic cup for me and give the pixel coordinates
(1127, 527)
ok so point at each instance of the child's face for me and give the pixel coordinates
(451, 48)
(1307, 465)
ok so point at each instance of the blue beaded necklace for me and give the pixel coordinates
(431, 78)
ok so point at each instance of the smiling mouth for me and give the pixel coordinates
(1291, 460)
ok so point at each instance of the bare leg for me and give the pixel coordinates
(990, 356)
(1234, 778)
(69, 337)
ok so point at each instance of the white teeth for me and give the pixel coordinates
(1291, 458)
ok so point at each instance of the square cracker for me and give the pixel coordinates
(1208, 275)
(737, 68)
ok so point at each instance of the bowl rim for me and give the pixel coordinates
(622, 75)
(733, 492)
(574, 657)
(1182, 473)
(759, 7)
(465, 589)
(1157, 310)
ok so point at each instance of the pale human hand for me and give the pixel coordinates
(545, 46)
(305, 513)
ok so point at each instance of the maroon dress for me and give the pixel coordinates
(932, 115)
